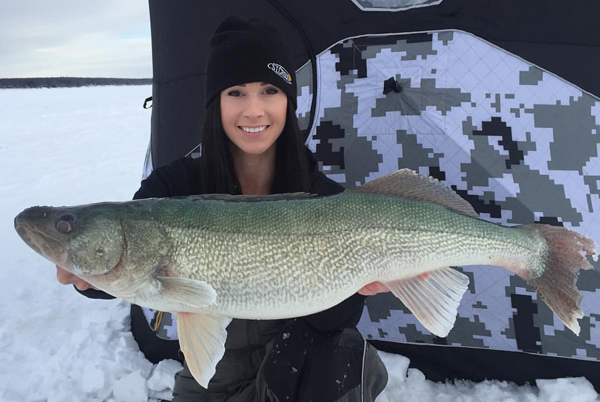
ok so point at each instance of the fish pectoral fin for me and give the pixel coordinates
(202, 340)
(433, 298)
(187, 292)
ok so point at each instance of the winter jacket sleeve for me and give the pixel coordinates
(179, 179)
(95, 294)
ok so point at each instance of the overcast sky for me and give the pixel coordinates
(81, 38)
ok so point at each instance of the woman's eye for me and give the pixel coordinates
(271, 91)
(234, 93)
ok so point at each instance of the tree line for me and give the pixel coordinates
(69, 82)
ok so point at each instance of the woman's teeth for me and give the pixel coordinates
(253, 129)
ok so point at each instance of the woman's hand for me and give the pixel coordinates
(373, 288)
(67, 278)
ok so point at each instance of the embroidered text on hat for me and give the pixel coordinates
(280, 71)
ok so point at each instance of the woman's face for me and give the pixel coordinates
(253, 116)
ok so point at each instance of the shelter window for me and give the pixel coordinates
(393, 5)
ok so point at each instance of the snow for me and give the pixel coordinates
(407, 384)
(131, 388)
(82, 145)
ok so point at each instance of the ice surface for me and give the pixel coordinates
(83, 145)
(131, 388)
(566, 389)
(163, 377)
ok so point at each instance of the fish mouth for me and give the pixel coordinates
(30, 226)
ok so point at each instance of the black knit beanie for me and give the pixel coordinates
(248, 50)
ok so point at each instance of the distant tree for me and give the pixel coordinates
(69, 82)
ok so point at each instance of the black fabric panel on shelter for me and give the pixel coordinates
(441, 363)
(563, 38)
(559, 37)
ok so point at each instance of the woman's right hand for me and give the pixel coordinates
(67, 278)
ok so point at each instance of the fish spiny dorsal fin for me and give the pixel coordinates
(407, 183)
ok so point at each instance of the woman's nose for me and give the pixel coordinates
(254, 107)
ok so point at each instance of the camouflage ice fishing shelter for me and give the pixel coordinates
(499, 99)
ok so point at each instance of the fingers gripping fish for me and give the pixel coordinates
(212, 258)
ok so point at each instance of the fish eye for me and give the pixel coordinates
(65, 223)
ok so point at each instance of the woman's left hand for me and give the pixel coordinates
(373, 288)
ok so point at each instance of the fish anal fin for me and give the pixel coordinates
(407, 183)
(433, 298)
(202, 340)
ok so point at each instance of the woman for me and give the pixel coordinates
(251, 145)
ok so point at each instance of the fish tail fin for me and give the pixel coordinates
(565, 256)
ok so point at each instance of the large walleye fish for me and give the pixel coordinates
(213, 258)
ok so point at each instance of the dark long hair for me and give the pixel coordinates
(217, 174)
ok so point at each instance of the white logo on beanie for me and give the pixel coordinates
(280, 71)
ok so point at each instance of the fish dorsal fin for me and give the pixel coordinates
(433, 298)
(407, 183)
(250, 198)
(202, 340)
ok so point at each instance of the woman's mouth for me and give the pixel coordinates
(253, 130)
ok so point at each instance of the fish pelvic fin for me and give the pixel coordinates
(433, 297)
(202, 340)
(555, 275)
(407, 183)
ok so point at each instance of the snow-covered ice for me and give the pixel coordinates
(83, 145)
